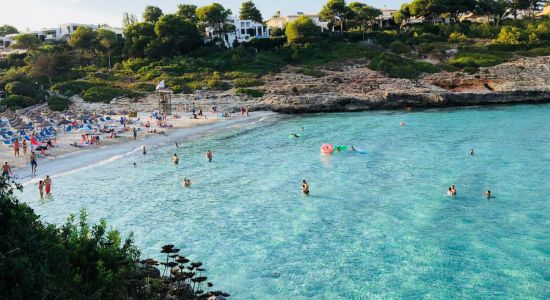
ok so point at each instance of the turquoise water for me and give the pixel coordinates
(375, 226)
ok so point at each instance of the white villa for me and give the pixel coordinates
(245, 30)
(278, 21)
(49, 35)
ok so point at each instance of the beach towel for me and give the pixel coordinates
(34, 142)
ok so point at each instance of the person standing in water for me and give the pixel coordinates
(33, 163)
(177, 146)
(144, 150)
(41, 188)
(175, 159)
(471, 151)
(305, 187)
(48, 184)
(135, 133)
(453, 190)
(402, 123)
(488, 194)
(209, 155)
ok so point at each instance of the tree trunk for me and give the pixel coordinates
(109, 58)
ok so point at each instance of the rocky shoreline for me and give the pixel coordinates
(357, 88)
(525, 80)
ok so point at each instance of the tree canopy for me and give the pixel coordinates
(27, 41)
(139, 39)
(362, 14)
(177, 35)
(7, 29)
(214, 16)
(335, 11)
(250, 12)
(188, 12)
(302, 30)
(151, 14)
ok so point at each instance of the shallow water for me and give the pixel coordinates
(375, 226)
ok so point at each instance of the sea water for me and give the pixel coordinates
(376, 225)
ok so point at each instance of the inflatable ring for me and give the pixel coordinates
(327, 148)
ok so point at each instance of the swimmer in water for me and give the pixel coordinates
(209, 155)
(305, 187)
(135, 165)
(186, 182)
(177, 146)
(352, 148)
(294, 135)
(488, 194)
(175, 159)
(144, 150)
(471, 151)
(453, 190)
(450, 191)
(402, 123)
(302, 128)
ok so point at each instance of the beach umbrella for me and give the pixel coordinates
(64, 122)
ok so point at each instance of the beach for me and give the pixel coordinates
(64, 157)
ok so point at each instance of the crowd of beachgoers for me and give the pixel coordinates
(35, 135)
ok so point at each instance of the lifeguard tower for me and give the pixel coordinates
(164, 97)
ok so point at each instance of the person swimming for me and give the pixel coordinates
(175, 159)
(402, 123)
(471, 151)
(305, 187)
(186, 182)
(294, 135)
(209, 155)
(135, 165)
(352, 149)
(453, 190)
(450, 191)
(488, 194)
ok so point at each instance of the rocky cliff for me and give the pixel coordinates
(356, 88)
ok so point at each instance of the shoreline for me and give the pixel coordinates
(92, 157)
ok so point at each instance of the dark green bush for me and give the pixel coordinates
(470, 70)
(20, 88)
(218, 85)
(311, 72)
(247, 82)
(75, 87)
(399, 67)
(144, 87)
(106, 94)
(475, 60)
(250, 92)
(399, 48)
(544, 51)
(58, 103)
(18, 101)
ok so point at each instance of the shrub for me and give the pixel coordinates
(144, 87)
(134, 64)
(471, 70)
(218, 85)
(539, 51)
(302, 30)
(510, 35)
(457, 37)
(58, 103)
(20, 88)
(247, 82)
(475, 60)
(75, 87)
(18, 101)
(399, 67)
(250, 92)
(106, 94)
(311, 72)
(398, 47)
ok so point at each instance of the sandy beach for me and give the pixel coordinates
(64, 157)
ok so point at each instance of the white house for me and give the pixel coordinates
(60, 33)
(245, 30)
(278, 21)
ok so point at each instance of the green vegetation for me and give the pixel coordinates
(58, 103)
(105, 94)
(397, 66)
(82, 261)
(169, 47)
(17, 102)
(250, 92)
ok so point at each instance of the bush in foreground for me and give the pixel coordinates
(16, 101)
(82, 261)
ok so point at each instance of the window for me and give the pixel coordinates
(242, 24)
(243, 31)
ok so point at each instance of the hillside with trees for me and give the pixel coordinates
(424, 36)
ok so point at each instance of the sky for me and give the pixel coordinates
(38, 14)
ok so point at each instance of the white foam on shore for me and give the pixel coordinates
(90, 158)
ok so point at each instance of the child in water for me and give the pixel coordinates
(41, 188)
